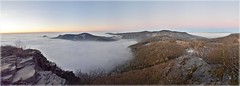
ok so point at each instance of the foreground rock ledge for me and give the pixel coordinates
(30, 67)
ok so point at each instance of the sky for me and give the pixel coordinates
(70, 16)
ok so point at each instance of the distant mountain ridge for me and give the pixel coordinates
(147, 34)
(129, 35)
(85, 37)
(231, 38)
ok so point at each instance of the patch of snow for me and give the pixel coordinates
(190, 50)
(147, 44)
(229, 77)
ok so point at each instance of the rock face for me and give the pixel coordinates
(147, 34)
(191, 70)
(30, 67)
(85, 37)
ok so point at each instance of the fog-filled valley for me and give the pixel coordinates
(75, 55)
(124, 58)
(80, 55)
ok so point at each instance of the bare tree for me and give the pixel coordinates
(88, 78)
(20, 44)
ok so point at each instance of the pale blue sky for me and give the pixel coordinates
(194, 16)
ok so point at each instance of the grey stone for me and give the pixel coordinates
(27, 71)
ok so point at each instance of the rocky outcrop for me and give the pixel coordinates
(85, 37)
(30, 67)
(147, 34)
(189, 70)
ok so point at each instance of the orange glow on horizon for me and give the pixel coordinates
(55, 29)
(29, 26)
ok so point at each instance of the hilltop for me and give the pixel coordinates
(148, 34)
(85, 37)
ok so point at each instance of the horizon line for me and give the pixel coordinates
(116, 31)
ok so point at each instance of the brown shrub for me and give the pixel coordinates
(228, 56)
(10, 50)
(88, 78)
(147, 76)
(197, 44)
(214, 56)
(155, 53)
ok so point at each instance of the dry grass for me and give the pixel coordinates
(155, 53)
(225, 53)
(228, 56)
(147, 76)
(88, 78)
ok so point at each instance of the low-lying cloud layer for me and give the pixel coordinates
(74, 55)
(89, 55)
(84, 55)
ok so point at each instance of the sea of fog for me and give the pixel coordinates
(75, 55)
(211, 35)
(83, 55)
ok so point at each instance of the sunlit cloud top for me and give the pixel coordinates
(60, 16)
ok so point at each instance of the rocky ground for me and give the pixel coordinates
(30, 67)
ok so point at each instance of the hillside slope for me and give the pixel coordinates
(167, 60)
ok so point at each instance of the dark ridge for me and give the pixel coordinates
(85, 37)
(148, 34)
(232, 38)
